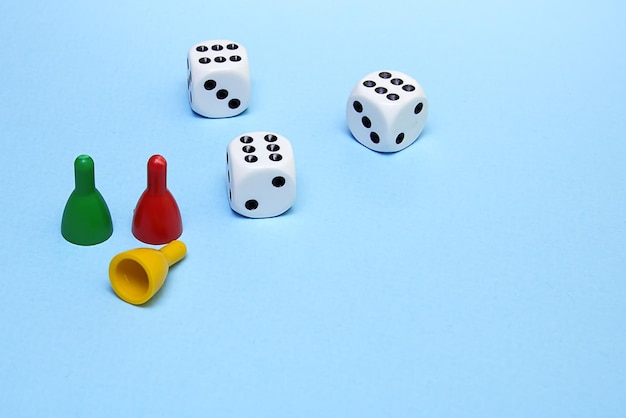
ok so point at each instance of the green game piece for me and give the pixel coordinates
(86, 218)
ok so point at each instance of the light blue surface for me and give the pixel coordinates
(479, 272)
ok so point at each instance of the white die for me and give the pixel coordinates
(260, 174)
(387, 110)
(218, 78)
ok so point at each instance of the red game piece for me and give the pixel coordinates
(157, 218)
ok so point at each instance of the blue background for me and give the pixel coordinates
(479, 272)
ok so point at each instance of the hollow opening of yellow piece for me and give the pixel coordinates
(131, 279)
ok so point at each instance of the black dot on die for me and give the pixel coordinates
(235, 58)
(227, 158)
(230, 194)
(252, 204)
(366, 122)
(222, 94)
(273, 147)
(271, 138)
(400, 138)
(201, 48)
(384, 74)
(374, 137)
(217, 47)
(220, 59)
(408, 87)
(190, 98)
(396, 81)
(393, 97)
(210, 84)
(232, 47)
(228, 175)
(251, 158)
(248, 149)
(246, 139)
(276, 157)
(380, 90)
(234, 103)
(369, 83)
(357, 106)
(278, 181)
(418, 108)
(204, 60)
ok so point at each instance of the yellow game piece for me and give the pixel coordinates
(136, 275)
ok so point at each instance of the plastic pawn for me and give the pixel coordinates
(86, 217)
(137, 275)
(157, 218)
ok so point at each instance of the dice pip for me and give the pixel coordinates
(218, 78)
(386, 111)
(260, 174)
